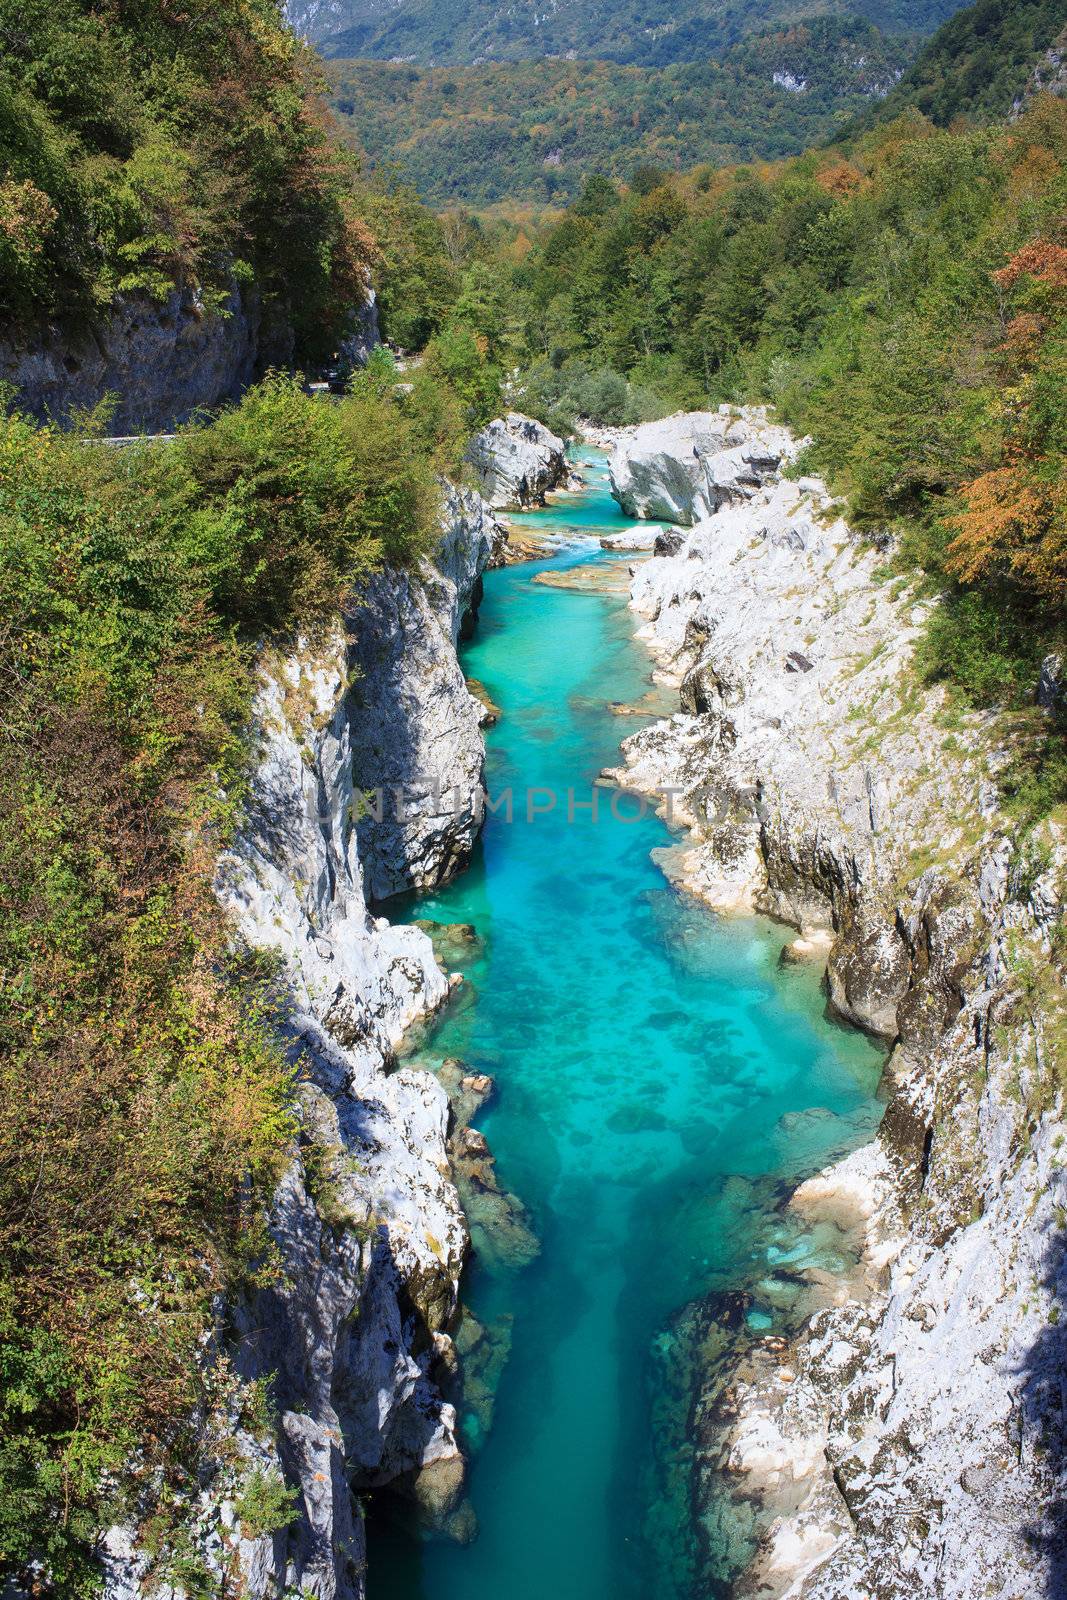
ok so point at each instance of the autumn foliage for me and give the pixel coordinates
(1013, 525)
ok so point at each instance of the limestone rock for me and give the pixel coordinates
(367, 1222)
(415, 727)
(685, 467)
(516, 461)
(913, 1441)
(163, 362)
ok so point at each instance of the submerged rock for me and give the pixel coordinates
(491, 712)
(501, 1230)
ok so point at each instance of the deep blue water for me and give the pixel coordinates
(659, 1079)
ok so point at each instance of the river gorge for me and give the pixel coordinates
(662, 1082)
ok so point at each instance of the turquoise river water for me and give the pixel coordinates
(661, 1081)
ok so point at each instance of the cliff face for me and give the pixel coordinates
(162, 363)
(351, 1332)
(684, 468)
(417, 748)
(909, 1441)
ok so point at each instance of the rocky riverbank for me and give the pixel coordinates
(350, 1340)
(909, 1440)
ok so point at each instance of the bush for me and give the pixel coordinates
(265, 1504)
(296, 500)
(458, 357)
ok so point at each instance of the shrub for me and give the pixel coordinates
(296, 500)
(265, 1504)
(146, 1101)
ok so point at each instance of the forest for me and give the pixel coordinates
(529, 131)
(638, 32)
(143, 146)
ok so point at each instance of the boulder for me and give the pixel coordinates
(684, 468)
(1050, 686)
(516, 461)
(656, 470)
(632, 539)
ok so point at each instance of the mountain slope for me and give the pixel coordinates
(531, 130)
(648, 32)
(980, 61)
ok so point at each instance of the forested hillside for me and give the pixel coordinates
(902, 298)
(456, 32)
(532, 130)
(143, 146)
(979, 63)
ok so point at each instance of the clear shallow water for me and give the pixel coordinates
(660, 1084)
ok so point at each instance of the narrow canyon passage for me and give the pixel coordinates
(660, 1083)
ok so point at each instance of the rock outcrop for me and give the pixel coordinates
(686, 466)
(415, 727)
(162, 363)
(516, 461)
(911, 1440)
(352, 1332)
(1048, 77)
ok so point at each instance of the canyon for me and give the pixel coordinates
(863, 1383)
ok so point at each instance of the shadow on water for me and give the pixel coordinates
(392, 1543)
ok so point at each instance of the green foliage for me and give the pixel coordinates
(265, 1504)
(979, 62)
(417, 282)
(598, 394)
(147, 1105)
(457, 31)
(144, 148)
(296, 501)
(533, 130)
(458, 357)
(903, 299)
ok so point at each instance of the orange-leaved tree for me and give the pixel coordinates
(1013, 526)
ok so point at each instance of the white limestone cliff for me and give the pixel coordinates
(415, 728)
(911, 1441)
(351, 1333)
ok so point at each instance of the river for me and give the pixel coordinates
(661, 1082)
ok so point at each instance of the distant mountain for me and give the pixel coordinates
(642, 32)
(530, 131)
(983, 60)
